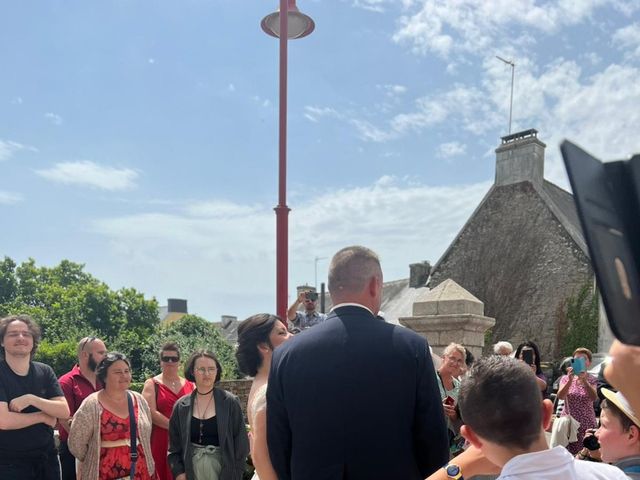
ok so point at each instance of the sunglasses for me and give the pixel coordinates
(170, 359)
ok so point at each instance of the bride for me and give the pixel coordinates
(258, 336)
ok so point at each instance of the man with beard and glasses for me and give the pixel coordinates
(77, 385)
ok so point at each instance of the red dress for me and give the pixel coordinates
(165, 400)
(115, 462)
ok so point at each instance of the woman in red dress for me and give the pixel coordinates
(161, 393)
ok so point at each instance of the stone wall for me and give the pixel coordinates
(240, 388)
(516, 257)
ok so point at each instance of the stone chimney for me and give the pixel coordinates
(177, 305)
(419, 274)
(227, 320)
(520, 158)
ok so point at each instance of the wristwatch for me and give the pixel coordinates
(454, 471)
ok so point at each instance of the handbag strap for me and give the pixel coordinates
(133, 435)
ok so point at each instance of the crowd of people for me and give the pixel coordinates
(337, 396)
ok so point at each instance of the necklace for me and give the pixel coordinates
(205, 393)
(201, 414)
(172, 383)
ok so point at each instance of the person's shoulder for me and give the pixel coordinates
(137, 395)
(42, 368)
(69, 376)
(598, 471)
(407, 335)
(185, 400)
(226, 394)
(89, 401)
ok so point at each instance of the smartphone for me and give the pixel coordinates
(578, 364)
(448, 400)
(527, 356)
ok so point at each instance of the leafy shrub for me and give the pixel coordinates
(60, 356)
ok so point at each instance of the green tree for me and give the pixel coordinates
(69, 303)
(582, 317)
(59, 356)
(8, 281)
(191, 333)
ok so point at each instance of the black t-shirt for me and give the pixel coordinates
(40, 381)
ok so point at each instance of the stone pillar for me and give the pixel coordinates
(449, 313)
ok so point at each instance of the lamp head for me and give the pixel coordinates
(299, 25)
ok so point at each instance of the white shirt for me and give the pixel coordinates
(352, 305)
(557, 464)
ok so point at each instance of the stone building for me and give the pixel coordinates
(522, 251)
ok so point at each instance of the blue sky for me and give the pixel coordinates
(140, 138)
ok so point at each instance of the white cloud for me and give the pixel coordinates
(264, 102)
(90, 174)
(369, 132)
(217, 248)
(445, 27)
(393, 90)
(151, 61)
(8, 148)
(218, 209)
(53, 118)
(231, 87)
(371, 5)
(628, 38)
(451, 149)
(9, 198)
(17, 101)
(314, 113)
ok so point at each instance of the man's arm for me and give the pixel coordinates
(56, 407)
(293, 309)
(66, 385)
(471, 462)
(430, 439)
(15, 421)
(278, 428)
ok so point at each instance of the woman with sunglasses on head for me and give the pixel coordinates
(161, 393)
(207, 435)
(100, 435)
(258, 336)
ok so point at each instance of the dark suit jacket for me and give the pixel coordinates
(355, 398)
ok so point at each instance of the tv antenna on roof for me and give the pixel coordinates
(513, 71)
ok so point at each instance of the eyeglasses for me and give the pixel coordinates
(208, 370)
(170, 359)
(457, 361)
(87, 341)
(19, 334)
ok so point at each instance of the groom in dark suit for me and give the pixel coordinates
(354, 397)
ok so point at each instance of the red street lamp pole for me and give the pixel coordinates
(292, 24)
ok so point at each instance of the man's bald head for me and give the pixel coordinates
(351, 272)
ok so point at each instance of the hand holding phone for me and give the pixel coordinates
(527, 356)
(579, 365)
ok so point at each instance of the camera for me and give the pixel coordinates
(591, 443)
(313, 296)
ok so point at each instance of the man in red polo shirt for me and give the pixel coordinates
(77, 385)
